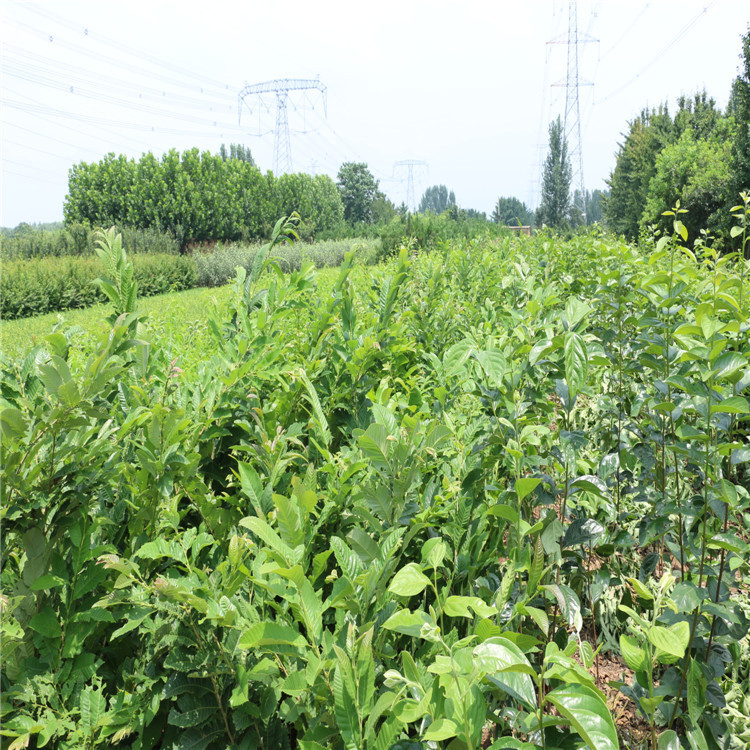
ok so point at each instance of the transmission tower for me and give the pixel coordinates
(572, 82)
(282, 149)
(410, 164)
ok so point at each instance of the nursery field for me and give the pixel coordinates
(493, 495)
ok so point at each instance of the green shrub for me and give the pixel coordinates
(40, 285)
(78, 240)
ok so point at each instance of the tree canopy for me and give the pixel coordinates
(511, 212)
(436, 199)
(358, 189)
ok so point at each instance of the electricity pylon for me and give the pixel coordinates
(410, 164)
(572, 118)
(282, 149)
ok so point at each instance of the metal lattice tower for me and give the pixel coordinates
(282, 149)
(572, 117)
(410, 164)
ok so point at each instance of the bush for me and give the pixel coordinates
(41, 285)
(78, 240)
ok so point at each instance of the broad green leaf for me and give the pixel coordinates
(458, 606)
(345, 707)
(261, 529)
(506, 666)
(673, 640)
(416, 624)
(525, 486)
(576, 362)
(93, 706)
(270, 634)
(192, 717)
(587, 713)
(46, 623)
(440, 729)
(409, 581)
(640, 589)
(635, 657)
(456, 356)
(696, 691)
(503, 511)
(731, 405)
(434, 552)
(567, 600)
(668, 740)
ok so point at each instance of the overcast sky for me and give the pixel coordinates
(466, 89)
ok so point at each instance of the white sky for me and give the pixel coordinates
(464, 87)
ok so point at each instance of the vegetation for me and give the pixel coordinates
(699, 157)
(197, 196)
(40, 285)
(359, 191)
(436, 199)
(399, 511)
(512, 212)
(555, 206)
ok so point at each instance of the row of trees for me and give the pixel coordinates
(199, 196)
(700, 157)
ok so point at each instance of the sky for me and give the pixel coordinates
(424, 92)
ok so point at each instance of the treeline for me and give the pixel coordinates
(198, 196)
(699, 157)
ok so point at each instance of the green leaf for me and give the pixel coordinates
(458, 606)
(416, 624)
(408, 581)
(270, 634)
(696, 691)
(506, 666)
(526, 485)
(93, 706)
(731, 405)
(193, 717)
(569, 604)
(673, 640)
(46, 623)
(587, 713)
(668, 740)
(640, 589)
(345, 708)
(440, 729)
(635, 657)
(576, 361)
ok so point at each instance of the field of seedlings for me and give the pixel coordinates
(493, 495)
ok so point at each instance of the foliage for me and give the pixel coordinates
(647, 134)
(40, 285)
(26, 241)
(196, 196)
(554, 208)
(697, 174)
(512, 212)
(739, 107)
(384, 512)
(237, 151)
(436, 199)
(359, 190)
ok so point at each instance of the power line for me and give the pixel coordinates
(661, 54)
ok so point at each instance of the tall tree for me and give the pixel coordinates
(648, 133)
(554, 210)
(436, 199)
(511, 212)
(358, 189)
(740, 108)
